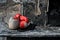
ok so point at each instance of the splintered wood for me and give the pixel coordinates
(38, 10)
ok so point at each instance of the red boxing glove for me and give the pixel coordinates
(23, 18)
(23, 24)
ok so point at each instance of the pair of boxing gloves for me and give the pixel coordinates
(18, 20)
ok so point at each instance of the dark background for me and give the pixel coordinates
(35, 38)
